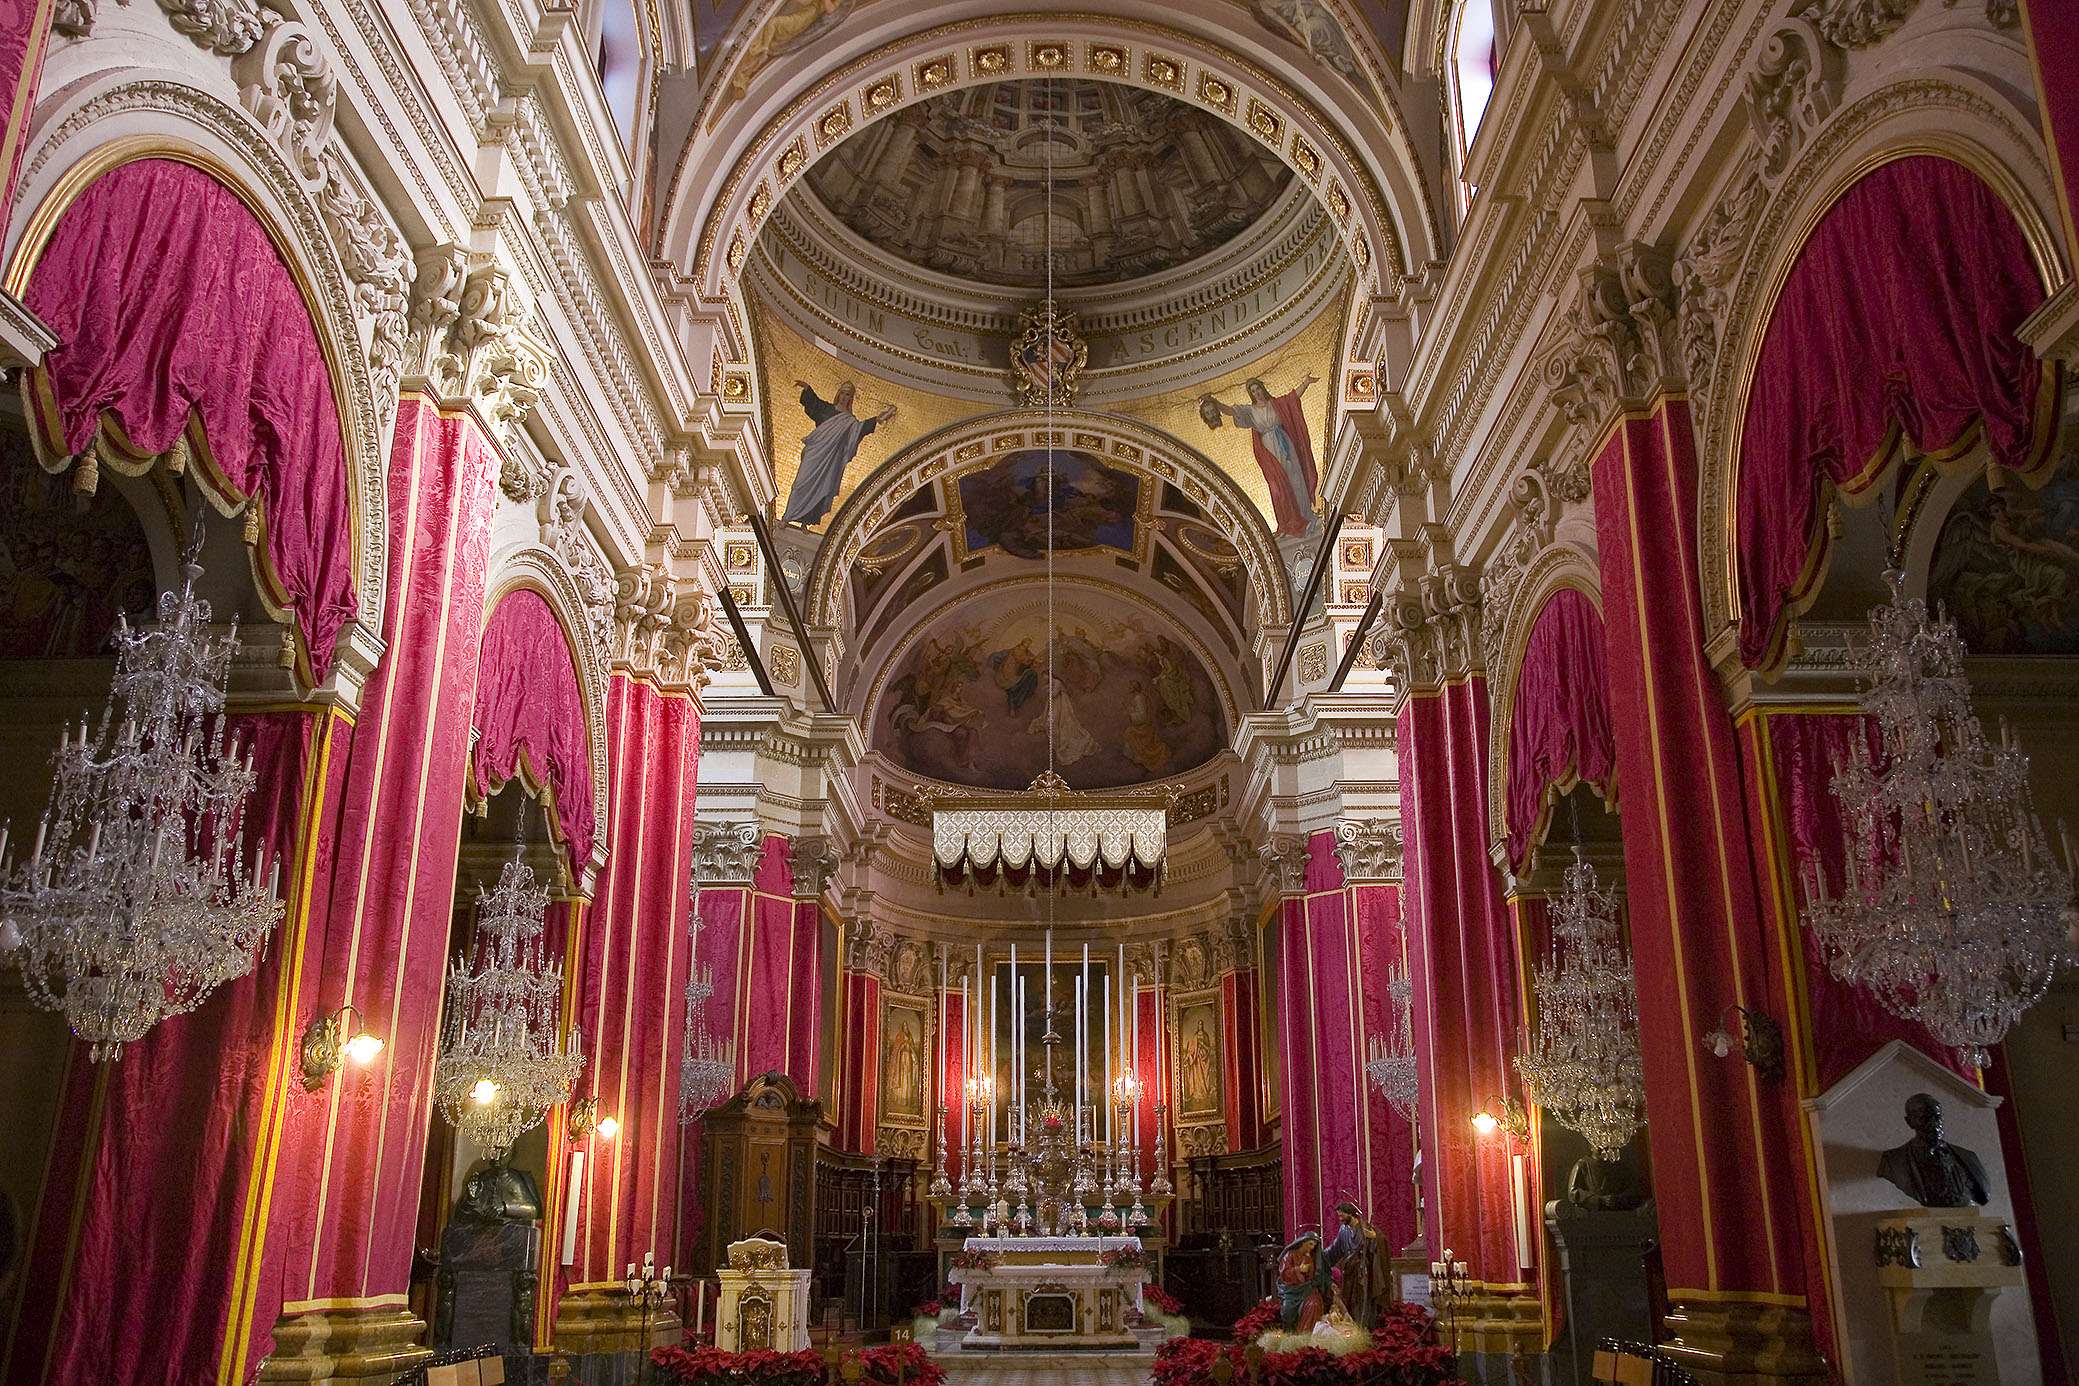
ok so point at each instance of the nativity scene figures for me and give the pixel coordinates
(827, 451)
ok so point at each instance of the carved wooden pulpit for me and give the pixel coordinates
(757, 1169)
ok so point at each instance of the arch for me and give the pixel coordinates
(1557, 610)
(1952, 117)
(1119, 442)
(177, 333)
(750, 154)
(926, 623)
(97, 125)
(532, 720)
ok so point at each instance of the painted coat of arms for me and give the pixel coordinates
(1047, 358)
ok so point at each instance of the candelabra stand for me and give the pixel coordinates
(649, 1290)
(1159, 1186)
(1455, 1279)
(941, 1186)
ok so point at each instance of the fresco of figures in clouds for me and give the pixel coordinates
(967, 703)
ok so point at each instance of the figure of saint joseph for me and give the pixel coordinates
(827, 451)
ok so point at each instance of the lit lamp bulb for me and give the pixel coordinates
(607, 1128)
(363, 1048)
(484, 1093)
(1484, 1122)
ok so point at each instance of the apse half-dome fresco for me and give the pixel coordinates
(967, 700)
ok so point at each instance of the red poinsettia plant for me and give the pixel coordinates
(1124, 1259)
(1162, 1300)
(1404, 1352)
(894, 1364)
(974, 1260)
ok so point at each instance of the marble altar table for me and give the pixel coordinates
(1053, 1292)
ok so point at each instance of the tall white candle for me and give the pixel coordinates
(1013, 1098)
(1047, 986)
(1075, 1087)
(967, 1069)
(991, 1128)
(1105, 1097)
(945, 1001)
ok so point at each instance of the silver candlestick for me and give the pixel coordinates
(1159, 1186)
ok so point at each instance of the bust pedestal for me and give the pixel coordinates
(1942, 1269)
(1601, 1257)
(764, 1304)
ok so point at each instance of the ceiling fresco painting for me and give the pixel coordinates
(1142, 183)
(788, 27)
(2007, 566)
(1014, 505)
(967, 702)
(786, 357)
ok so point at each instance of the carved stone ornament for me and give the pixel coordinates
(1791, 91)
(1617, 343)
(1436, 628)
(1198, 1142)
(868, 949)
(897, 1143)
(1191, 963)
(1704, 273)
(814, 861)
(909, 968)
(1369, 849)
(1855, 23)
(757, 1253)
(473, 343)
(560, 511)
(1286, 858)
(725, 854)
(1047, 359)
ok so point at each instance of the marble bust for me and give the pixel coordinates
(1929, 1170)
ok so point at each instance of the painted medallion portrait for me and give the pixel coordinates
(1009, 504)
(967, 702)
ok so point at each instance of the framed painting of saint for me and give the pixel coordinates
(1198, 1058)
(903, 1074)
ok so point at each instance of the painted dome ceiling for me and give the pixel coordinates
(957, 184)
(949, 603)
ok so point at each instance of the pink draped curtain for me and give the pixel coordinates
(528, 703)
(1897, 320)
(170, 301)
(1559, 723)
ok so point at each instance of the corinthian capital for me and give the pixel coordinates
(473, 345)
(725, 854)
(1368, 849)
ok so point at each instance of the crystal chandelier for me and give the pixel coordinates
(502, 1064)
(1954, 911)
(707, 1071)
(137, 900)
(1389, 1059)
(1583, 1065)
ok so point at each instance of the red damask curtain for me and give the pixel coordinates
(170, 301)
(528, 703)
(1897, 321)
(1559, 722)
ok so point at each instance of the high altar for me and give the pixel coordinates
(1049, 1292)
(1068, 1215)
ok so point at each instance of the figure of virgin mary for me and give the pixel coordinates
(1284, 450)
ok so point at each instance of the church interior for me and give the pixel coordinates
(1292, 692)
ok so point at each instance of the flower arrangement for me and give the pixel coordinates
(974, 1260)
(1404, 1352)
(895, 1364)
(1124, 1260)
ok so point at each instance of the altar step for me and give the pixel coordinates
(1025, 1368)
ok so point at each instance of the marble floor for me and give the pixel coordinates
(1046, 1368)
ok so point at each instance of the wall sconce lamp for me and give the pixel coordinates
(1761, 1041)
(326, 1047)
(584, 1121)
(1504, 1116)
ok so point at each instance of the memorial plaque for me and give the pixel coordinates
(1943, 1359)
